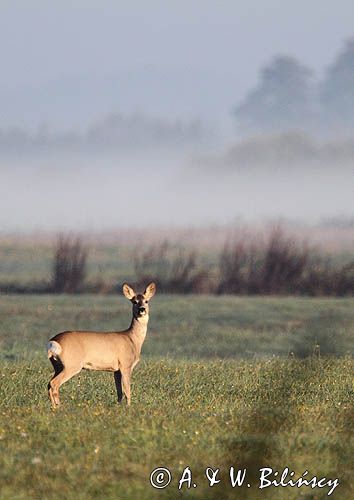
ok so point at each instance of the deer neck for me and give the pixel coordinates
(138, 329)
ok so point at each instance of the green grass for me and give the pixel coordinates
(189, 407)
(190, 327)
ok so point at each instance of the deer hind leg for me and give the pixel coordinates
(58, 368)
(126, 375)
(59, 379)
(118, 382)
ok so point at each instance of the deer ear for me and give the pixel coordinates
(150, 291)
(128, 291)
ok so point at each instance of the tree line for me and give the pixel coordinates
(288, 96)
(114, 131)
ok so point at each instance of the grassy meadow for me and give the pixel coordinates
(224, 381)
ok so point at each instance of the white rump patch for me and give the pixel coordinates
(53, 348)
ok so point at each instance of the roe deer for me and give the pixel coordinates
(118, 352)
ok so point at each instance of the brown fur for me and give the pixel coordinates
(118, 352)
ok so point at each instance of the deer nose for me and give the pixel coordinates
(141, 309)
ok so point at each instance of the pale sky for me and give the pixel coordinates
(68, 62)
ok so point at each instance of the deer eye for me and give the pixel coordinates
(135, 302)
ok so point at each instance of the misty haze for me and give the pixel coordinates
(134, 124)
(148, 191)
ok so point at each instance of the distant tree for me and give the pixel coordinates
(117, 130)
(337, 90)
(283, 98)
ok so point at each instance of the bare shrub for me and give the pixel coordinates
(284, 264)
(175, 270)
(238, 267)
(257, 267)
(345, 279)
(323, 278)
(281, 265)
(69, 265)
